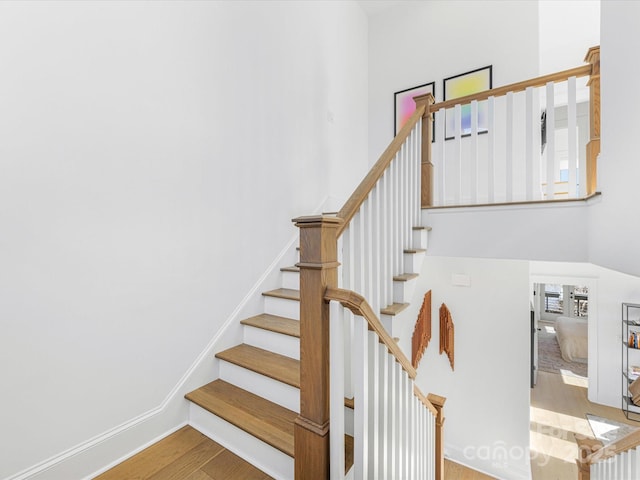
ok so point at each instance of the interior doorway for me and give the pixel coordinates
(560, 317)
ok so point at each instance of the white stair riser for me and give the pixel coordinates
(349, 428)
(263, 456)
(387, 322)
(265, 387)
(274, 342)
(291, 280)
(403, 291)
(413, 262)
(282, 307)
(420, 239)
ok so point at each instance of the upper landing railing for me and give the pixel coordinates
(535, 140)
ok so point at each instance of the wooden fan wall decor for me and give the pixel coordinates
(446, 333)
(422, 331)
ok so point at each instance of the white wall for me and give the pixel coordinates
(151, 158)
(567, 29)
(487, 408)
(527, 232)
(613, 229)
(420, 42)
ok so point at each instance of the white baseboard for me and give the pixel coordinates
(98, 454)
(92, 457)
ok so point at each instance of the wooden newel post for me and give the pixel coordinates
(427, 166)
(593, 147)
(586, 446)
(438, 402)
(318, 270)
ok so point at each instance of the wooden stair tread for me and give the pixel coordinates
(405, 277)
(349, 403)
(415, 250)
(394, 308)
(348, 453)
(264, 362)
(261, 418)
(274, 323)
(287, 293)
(428, 229)
(292, 268)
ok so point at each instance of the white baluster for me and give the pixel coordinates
(350, 361)
(358, 260)
(336, 387)
(374, 265)
(418, 173)
(406, 422)
(473, 160)
(347, 259)
(457, 141)
(537, 143)
(396, 217)
(413, 437)
(572, 118)
(368, 250)
(491, 139)
(551, 142)
(530, 124)
(509, 157)
(387, 257)
(432, 449)
(625, 458)
(402, 410)
(420, 473)
(361, 411)
(393, 440)
(374, 404)
(398, 420)
(440, 165)
(385, 407)
(402, 205)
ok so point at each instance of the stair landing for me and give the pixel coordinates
(184, 455)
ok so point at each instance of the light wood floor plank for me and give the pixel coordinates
(455, 471)
(559, 405)
(228, 466)
(156, 457)
(189, 462)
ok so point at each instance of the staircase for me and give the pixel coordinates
(251, 408)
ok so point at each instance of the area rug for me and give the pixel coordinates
(549, 356)
(608, 431)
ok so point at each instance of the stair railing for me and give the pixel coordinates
(620, 460)
(378, 218)
(508, 141)
(395, 421)
(395, 428)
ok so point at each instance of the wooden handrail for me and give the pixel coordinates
(582, 71)
(625, 443)
(360, 194)
(359, 306)
(425, 401)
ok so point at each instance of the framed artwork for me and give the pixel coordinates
(462, 85)
(405, 106)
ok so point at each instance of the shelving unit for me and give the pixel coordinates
(630, 356)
